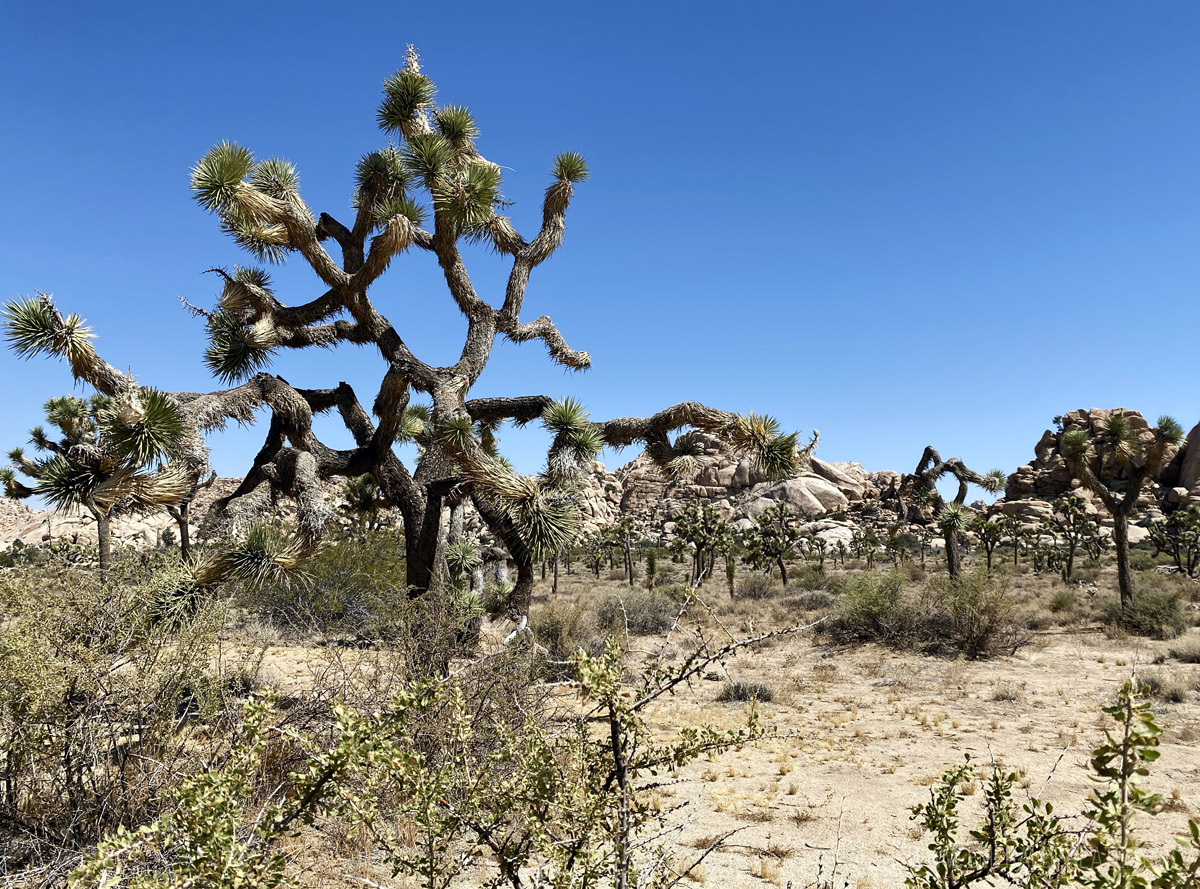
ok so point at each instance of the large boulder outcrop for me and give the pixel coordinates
(731, 484)
(1048, 476)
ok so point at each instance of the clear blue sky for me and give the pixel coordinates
(903, 223)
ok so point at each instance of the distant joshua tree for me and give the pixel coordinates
(774, 537)
(953, 517)
(110, 457)
(709, 535)
(1141, 456)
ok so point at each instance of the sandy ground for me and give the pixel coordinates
(858, 736)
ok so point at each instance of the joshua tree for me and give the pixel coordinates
(1140, 455)
(1179, 536)
(990, 533)
(708, 534)
(112, 456)
(1074, 526)
(952, 517)
(424, 195)
(864, 543)
(774, 537)
(651, 567)
(817, 545)
(619, 535)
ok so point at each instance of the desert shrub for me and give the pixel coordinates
(565, 627)
(102, 709)
(1187, 651)
(640, 611)
(1169, 687)
(1062, 601)
(451, 763)
(740, 692)
(972, 613)
(814, 600)
(810, 577)
(872, 607)
(758, 586)
(1154, 612)
(353, 585)
(1029, 843)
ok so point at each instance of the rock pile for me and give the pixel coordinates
(1047, 475)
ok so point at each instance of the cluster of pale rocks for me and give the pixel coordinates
(837, 497)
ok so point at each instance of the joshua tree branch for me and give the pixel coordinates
(543, 329)
(520, 409)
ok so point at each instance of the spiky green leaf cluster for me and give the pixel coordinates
(429, 155)
(381, 171)
(1168, 430)
(456, 123)
(570, 166)
(65, 484)
(14, 487)
(1074, 443)
(468, 195)
(405, 94)
(953, 518)
(275, 177)
(413, 423)
(778, 458)
(157, 433)
(994, 481)
(461, 557)
(458, 432)
(234, 350)
(264, 243)
(33, 326)
(400, 206)
(264, 557)
(218, 175)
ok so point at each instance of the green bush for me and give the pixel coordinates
(94, 694)
(741, 692)
(640, 611)
(872, 607)
(1187, 651)
(565, 627)
(758, 586)
(1154, 612)
(972, 613)
(1062, 601)
(352, 585)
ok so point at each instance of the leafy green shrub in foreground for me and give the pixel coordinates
(1032, 845)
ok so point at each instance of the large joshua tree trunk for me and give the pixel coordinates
(1121, 544)
(953, 556)
(103, 539)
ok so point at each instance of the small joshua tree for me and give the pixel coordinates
(619, 536)
(1179, 536)
(774, 537)
(1140, 455)
(1074, 526)
(952, 517)
(990, 533)
(708, 534)
(111, 456)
